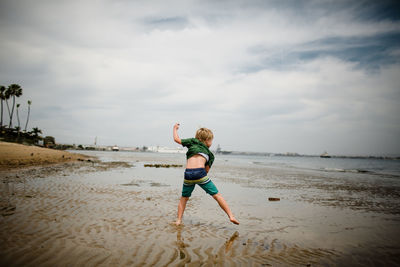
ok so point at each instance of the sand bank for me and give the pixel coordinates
(16, 155)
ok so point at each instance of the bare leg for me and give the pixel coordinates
(222, 203)
(181, 209)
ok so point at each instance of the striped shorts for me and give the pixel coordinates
(197, 176)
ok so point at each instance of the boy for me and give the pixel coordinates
(199, 161)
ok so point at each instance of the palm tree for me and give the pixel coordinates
(36, 131)
(29, 112)
(7, 95)
(15, 91)
(19, 124)
(2, 98)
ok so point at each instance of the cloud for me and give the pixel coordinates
(301, 76)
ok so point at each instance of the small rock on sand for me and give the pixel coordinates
(274, 199)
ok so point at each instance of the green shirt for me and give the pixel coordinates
(195, 146)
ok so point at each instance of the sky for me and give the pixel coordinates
(264, 76)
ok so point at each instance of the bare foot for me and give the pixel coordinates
(178, 222)
(233, 220)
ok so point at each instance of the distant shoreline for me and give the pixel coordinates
(261, 154)
(266, 154)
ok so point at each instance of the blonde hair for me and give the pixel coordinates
(204, 134)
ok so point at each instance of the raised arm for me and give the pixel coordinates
(175, 133)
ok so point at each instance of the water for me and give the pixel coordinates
(381, 167)
(371, 166)
(362, 184)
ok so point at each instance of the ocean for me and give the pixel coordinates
(370, 166)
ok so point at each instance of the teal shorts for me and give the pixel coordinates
(209, 187)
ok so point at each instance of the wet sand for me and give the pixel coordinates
(118, 213)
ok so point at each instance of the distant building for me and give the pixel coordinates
(49, 141)
(163, 149)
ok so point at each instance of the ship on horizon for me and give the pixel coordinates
(325, 155)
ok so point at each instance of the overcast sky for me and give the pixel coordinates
(271, 76)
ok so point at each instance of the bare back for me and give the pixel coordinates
(196, 161)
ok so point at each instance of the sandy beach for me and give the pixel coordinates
(14, 155)
(117, 212)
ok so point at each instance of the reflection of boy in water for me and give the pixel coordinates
(184, 254)
(199, 161)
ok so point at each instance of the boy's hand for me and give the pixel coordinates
(175, 134)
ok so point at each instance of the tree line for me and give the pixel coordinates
(9, 95)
